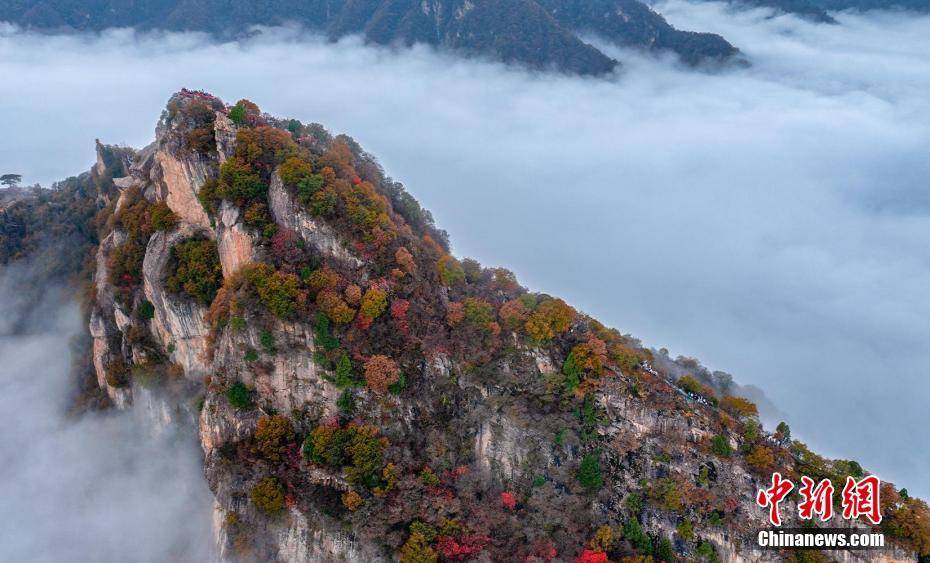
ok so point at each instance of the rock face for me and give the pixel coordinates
(287, 214)
(235, 244)
(178, 324)
(508, 417)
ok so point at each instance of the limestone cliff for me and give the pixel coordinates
(359, 393)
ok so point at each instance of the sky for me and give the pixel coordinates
(771, 221)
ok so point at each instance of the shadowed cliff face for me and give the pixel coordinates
(99, 487)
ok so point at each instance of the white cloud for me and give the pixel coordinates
(97, 488)
(771, 221)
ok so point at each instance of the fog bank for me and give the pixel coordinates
(97, 488)
(770, 221)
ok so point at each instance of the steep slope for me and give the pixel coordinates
(539, 35)
(363, 395)
(819, 10)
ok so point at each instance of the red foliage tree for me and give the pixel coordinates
(399, 308)
(508, 500)
(463, 548)
(591, 556)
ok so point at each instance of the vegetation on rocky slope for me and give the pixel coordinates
(460, 416)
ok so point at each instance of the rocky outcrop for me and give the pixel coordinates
(224, 131)
(289, 379)
(178, 323)
(180, 180)
(314, 232)
(233, 241)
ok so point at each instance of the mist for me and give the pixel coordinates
(100, 487)
(771, 221)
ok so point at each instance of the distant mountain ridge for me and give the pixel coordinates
(539, 34)
(818, 10)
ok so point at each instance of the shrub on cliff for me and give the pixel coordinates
(739, 407)
(146, 310)
(195, 270)
(268, 496)
(589, 472)
(161, 217)
(357, 449)
(273, 435)
(344, 376)
(117, 373)
(550, 319)
(380, 373)
(277, 291)
(633, 533)
(239, 396)
(720, 446)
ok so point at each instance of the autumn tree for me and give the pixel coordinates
(514, 313)
(761, 458)
(374, 302)
(331, 304)
(550, 319)
(380, 373)
(417, 550)
(196, 270)
(739, 407)
(450, 271)
(591, 355)
(405, 260)
(273, 434)
(268, 496)
(277, 291)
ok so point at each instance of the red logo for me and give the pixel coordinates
(859, 498)
(817, 500)
(773, 496)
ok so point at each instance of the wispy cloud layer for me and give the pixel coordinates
(771, 221)
(99, 488)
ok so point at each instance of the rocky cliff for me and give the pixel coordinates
(362, 395)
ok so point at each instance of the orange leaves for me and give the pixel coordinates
(455, 314)
(739, 406)
(514, 313)
(591, 356)
(380, 373)
(331, 304)
(550, 319)
(405, 260)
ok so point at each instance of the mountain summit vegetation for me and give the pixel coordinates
(362, 394)
(539, 34)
